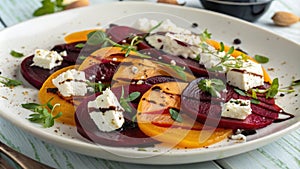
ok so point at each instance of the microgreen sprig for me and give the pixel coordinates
(101, 38)
(98, 87)
(10, 82)
(124, 102)
(41, 113)
(212, 86)
(271, 92)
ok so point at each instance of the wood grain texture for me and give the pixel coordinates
(283, 153)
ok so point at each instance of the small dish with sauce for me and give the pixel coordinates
(249, 10)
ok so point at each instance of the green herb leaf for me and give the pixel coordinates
(197, 58)
(222, 47)
(41, 113)
(82, 57)
(205, 35)
(230, 51)
(97, 38)
(295, 82)
(254, 101)
(261, 59)
(216, 69)
(273, 90)
(79, 45)
(253, 92)
(124, 102)
(134, 95)
(10, 82)
(240, 92)
(16, 54)
(30, 106)
(48, 7)
(175, 115)
(212, 86)
(155, 27)
(98, 87)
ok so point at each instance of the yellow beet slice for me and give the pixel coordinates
(78, 36)
(66, 105)
(154, 119)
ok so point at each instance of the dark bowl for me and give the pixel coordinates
(249, 10)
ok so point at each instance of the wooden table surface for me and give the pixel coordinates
(282, 153)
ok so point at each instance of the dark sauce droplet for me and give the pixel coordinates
(237, 41)
(194, 25)
(248, 132)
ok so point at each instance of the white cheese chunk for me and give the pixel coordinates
(236, 109)
(156, 40)
(179, 44)
(71, 83)
(250, 75)
(145, 24)
(107, 112)
(46, 59)
(239, 138)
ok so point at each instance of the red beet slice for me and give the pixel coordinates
(102, 72)
(128, 135)
(36, 76)
(123, 34)
(210, 114)
(207, 109)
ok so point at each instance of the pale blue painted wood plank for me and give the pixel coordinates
(64, 159)
(283, 153)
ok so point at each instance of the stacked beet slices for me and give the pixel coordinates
(207, 109)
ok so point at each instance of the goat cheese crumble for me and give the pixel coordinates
(46, 59)
(236, 109)
(71, 83)
(106, 112)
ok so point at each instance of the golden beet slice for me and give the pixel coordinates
(154, 119)
(67, 105)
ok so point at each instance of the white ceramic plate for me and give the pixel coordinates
(44, 32)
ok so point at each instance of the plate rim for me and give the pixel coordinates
(61, 141)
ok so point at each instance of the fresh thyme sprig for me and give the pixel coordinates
(41, 113)
(124, 102)
(227, 60)
(10, 82)
(212, 86)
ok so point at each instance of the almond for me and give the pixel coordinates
(285, 18)
(173, 2)
(78, 3)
